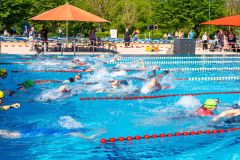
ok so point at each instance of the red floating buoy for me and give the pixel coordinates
(103, 140)
(112, 139)
(121, 139)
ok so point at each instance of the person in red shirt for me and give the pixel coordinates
(207, 108)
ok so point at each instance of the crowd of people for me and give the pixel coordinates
(221, 41)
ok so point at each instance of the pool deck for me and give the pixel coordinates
(137, 49)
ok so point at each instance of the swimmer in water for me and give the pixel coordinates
(3, 73)
(141, 65)
(230, 113)
(77, 77)
(6, 107)
(152, 86)
(119, 83)
(64, 89)
(208, 107)
(26, 85)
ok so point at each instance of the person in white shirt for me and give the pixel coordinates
(205, 41)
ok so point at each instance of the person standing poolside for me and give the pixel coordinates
(126, 38)
(208, 107)
(6, 107)
(205, 41)
(60, 32)
(191, 35)
(44, 35)
(31, 39)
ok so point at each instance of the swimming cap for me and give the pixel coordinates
(210, 104)
(79, 74)
(28, 84)
(1, 94)
(3, 70)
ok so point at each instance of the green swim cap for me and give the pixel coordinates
(28, 84)
(3, 71)
(210, 104)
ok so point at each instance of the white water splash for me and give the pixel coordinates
(69, 122)
(188, 102)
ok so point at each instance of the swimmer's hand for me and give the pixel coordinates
(15, 105)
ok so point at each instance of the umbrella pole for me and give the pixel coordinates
(67, 31)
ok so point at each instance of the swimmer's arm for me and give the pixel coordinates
(66, 81)
(228, 113)
(143, 66)
(7, 107)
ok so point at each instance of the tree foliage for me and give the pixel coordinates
(169, 15)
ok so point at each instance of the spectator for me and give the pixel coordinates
(44, 35)
(31, 39)
(5, 33)
(14, 30)
(92, 37)
(205, 41)
(176, 34)
(225, 42)
(191, 35)
(126, 38)
(221, 38)
(60, 32)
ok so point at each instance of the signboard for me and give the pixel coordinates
(113, 33)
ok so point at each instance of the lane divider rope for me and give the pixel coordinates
(40, 71)
(217, 57)
(9, 63)
(168, 135)
(155, 96)
(188, 69)
(209, 78)
(180, 62)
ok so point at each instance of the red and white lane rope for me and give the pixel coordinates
(40, 71)
(169, 135)
(180, 62)
(155, 96)
(47, 81)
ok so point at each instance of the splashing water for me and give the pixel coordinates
(69, 122)
(189, 103)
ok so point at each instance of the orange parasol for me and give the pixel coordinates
(225, 21)
(67, 13)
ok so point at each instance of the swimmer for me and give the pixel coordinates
(77, 77)
(8, 134)
(230, 113)
(154, 85)
(142, 66)
(3, 73)
(26, 85)
(227, 114)
(78, 62)
(118, 83)
(116, 58)
(39, 51)
(64, 89)
(7, 107)
(208, 107)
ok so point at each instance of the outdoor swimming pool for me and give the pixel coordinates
(70, 126)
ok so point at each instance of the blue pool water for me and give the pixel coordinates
(50, 125)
